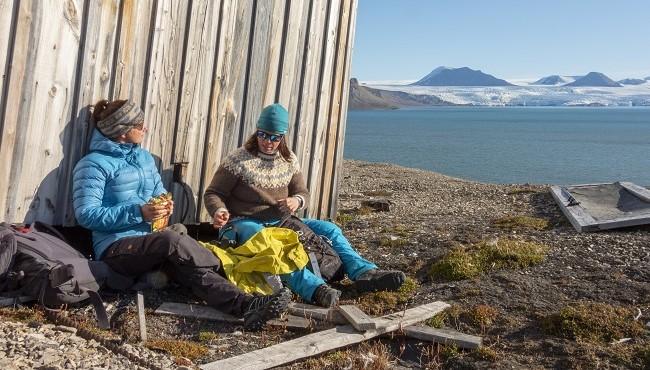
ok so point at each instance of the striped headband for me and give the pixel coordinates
(121, 121)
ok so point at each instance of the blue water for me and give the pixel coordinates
(549, 145)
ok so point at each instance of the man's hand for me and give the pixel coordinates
(289, 205)
(151, 212)
(220, 218)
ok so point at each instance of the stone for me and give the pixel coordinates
(379, 205)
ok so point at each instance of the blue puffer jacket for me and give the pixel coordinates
(110, 185)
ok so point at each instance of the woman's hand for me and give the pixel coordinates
(220, 218)
(151, 212)
(289, 205)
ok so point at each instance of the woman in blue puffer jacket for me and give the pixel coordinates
(111, 189)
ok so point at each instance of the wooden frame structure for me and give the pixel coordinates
(584, 219)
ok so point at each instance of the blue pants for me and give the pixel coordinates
(303, 282)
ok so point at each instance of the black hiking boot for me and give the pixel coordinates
(326, 296)
(376, 280)
(264, 308)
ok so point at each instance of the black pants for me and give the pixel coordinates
(189, 263)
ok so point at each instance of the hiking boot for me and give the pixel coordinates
(375, 280)
(326, 296)
(264, 308)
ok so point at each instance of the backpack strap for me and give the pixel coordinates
(100, 310)
(49, 229)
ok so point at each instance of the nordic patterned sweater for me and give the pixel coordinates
(251, 184)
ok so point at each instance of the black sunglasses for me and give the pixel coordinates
(266, 136)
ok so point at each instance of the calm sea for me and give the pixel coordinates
(549, 145)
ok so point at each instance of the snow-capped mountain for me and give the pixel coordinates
(527, 94)
(445, 76)
(551, 80)
(594, 79)
(632, 81)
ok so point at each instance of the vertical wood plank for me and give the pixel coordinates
(267, 33)
(6, 15)
(227, 89)
(131, 69)
(340, 136)
(41, 89)
(194, 106)
(292, 59)
(334, 112)
(94, 83)
(306, 106)
(322, 107)
(163, 89)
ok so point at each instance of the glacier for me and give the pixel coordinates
(525, 94)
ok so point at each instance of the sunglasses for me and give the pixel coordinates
(272, 137)
(139, 125)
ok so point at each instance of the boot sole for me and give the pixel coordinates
(276, 307)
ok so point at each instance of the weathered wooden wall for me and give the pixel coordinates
(202, 71)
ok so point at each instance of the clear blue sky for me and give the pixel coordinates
(406, 39)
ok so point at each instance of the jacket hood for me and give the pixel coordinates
(100, 143)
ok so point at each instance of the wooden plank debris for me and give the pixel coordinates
(313, 344)
(293, 322)
(357, 318)
(317, 313)
(196, 311)
(10, 301)
(141, 318)
(636, 190)
(444, 336)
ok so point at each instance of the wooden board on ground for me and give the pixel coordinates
(317, 313)
(444, 336)
(313, 344)
(357, 318)
(196, 311)
(10, 301)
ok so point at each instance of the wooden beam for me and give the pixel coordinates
(579, 218)
(444, 336)
(141, 318)
(10, 301)
(317, 313)
(196, 311)
(357, 318)
(636, 190)
(313, 344)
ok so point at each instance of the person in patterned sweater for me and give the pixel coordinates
(258, 184)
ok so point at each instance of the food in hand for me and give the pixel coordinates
(160, 223)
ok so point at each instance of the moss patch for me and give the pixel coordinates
(22, 314)
(179, 348)
(521, 222)
(380, 303)
(368, 355)
(207, 336)
(594, 322)
(392, 242)
(482, 316)
(644, 357)
(466, 263)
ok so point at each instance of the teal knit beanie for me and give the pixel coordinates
(274, 119)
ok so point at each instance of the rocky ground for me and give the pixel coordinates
(605, 275)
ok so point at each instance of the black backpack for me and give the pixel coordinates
(38, 262)
(318, 247)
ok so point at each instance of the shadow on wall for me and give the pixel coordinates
(52, 201)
